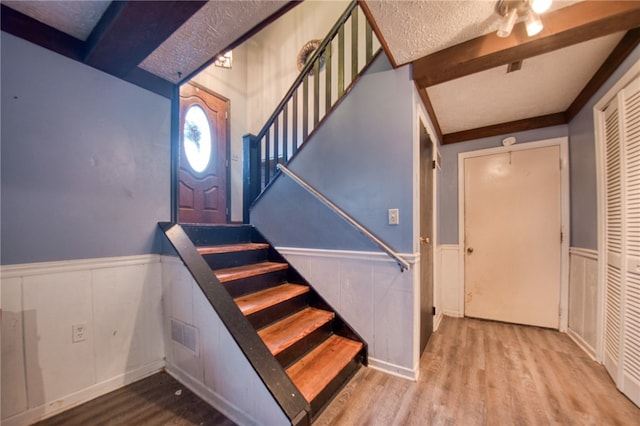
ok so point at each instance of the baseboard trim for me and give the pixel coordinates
(582, 344)
(583, 252)
(393, 369)
(212, 398)
(57, 406)
(437, 320)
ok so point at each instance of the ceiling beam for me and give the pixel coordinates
(613, 61)
(504, 128)
(130, 31)
(27, 28)
(430, 112)
(564, 27)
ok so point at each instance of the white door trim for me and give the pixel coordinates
(563, 144)
(598, 121)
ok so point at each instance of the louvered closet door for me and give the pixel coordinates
(613, 224)
(622, 222)
(631, 290)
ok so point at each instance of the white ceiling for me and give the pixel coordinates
(411, 29)
(546, 84)
(76, 18)
(217, 25)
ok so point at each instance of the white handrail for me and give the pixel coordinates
(401, 262)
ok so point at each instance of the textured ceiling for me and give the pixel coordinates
(546, 84)
(217, 25)
(76, 18)
(413, 29)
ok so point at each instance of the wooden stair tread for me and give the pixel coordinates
(254, 302)
(284, 333)
(232, 248)
(314, 371)
(237, 272)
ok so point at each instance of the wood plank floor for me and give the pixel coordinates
(477, 372)
(151, 401)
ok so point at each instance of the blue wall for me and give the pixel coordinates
(584, 222)
(361, 158)
(85, 160)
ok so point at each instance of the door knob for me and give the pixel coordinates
(469, 250)
(425, 240)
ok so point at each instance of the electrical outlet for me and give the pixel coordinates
(79, 333)
(394, 216)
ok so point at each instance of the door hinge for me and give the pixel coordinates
(561, 236)
(226, 163)
(433, 164)
(226, 115)
(433, 310)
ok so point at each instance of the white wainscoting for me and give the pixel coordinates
(118, 300)
(373, 296)
(448, 280)
(583, 298)
(216, 370)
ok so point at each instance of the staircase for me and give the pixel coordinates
(314, 346)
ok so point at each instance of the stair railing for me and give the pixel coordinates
(332, 69)
(344, 215)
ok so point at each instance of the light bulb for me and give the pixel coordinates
(507, 23)
(533, 24)
(540, 6)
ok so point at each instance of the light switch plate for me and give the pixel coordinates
(394, 216)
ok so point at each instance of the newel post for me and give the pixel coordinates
(251, 173)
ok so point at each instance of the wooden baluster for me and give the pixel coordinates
(305, 108)
(285, 133)
(267, 161)
(294, 142)
(327, 72)
(316, 93)
(368, 41)
(354, 44)
(276, 144)
(341, 61)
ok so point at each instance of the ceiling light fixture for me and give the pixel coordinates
(225, 60)
(533, 24)
(540, 6)
(511, 10)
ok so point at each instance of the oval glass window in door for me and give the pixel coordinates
(197, 138)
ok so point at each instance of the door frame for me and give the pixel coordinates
(176, 146)
(598, 122)
(420, 118)
(563, 144)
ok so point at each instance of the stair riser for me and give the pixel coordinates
(328, 393)
(248, 285)
(230, 260)
(304, 345)
(339, 326)
(218, 235)
(273, 313)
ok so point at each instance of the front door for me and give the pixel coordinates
(202, 194)
(512, 219)
(426, 237)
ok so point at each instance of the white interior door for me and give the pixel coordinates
(513, 223)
